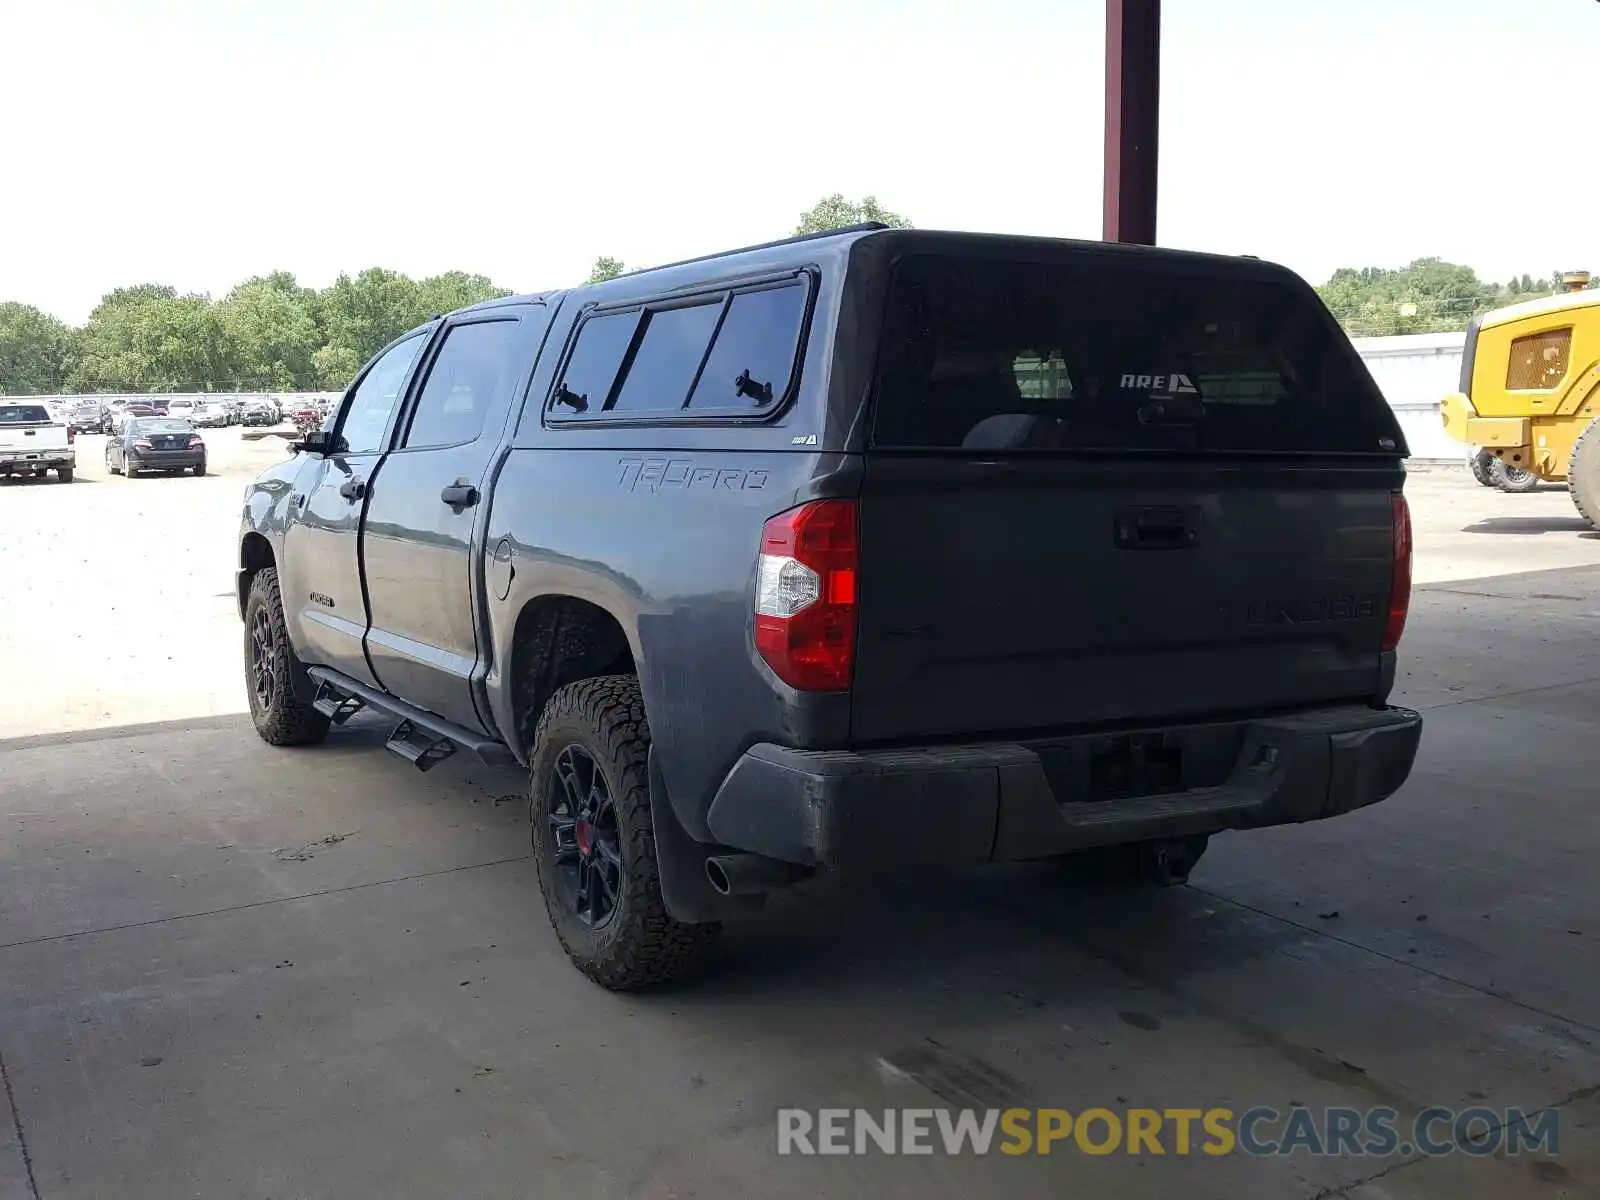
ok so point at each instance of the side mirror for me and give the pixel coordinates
(318, 441)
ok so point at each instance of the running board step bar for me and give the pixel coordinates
(421, 738)
(421, 750)
(335, 705)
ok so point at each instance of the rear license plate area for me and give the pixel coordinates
(1121, 766)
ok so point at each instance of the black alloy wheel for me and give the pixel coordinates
(263, 665)
(585, 846)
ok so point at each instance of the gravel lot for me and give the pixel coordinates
(230, 971)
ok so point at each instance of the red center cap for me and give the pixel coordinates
(585, 839)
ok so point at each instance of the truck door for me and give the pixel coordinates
(420, 533)
(321, 576)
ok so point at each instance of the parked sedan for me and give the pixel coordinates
(90, 416)
(155, 444)
(208, 415)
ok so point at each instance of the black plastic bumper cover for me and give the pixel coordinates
(992, 801)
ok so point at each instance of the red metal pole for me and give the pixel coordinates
(1133, 107)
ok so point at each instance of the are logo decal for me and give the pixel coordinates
(1174, 384)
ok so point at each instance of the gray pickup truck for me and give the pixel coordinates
(865, 550)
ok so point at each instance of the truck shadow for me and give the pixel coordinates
(1532, 525)
(40, 480)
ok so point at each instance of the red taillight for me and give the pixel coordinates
(196, 440)
(72, 434)
(1400, 580)
(805, 622)
(141, 444)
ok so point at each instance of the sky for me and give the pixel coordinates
(199, 142)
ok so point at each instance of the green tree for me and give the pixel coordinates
(361, 314)
(36, 351)
(835, 212)
(334, 367)
(270, 326)
(605, 268)
(149, 339)
(1427, 296)
(440, 294)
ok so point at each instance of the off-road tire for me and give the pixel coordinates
(1583, 473)
(64, 474)
(286, 720)
(1516, 480)
(1481, 465)
(641, 943)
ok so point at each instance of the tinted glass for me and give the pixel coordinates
(995, 355)
(602, 342)
(160, 425)
(757, 345)
(672, 349)
(367, 412)
(473, 367)
(23, 414)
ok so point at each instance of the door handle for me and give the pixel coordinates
(353, 489)
(459, 495)
(1157, 528)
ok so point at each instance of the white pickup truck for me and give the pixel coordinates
(31, 442)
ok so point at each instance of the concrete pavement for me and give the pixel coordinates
(227, 970)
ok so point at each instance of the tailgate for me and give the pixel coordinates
(32, 439)
(1105, 490)
(1008, 597)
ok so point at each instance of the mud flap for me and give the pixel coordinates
(681, 864)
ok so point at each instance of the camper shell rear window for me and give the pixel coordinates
(1111, 354)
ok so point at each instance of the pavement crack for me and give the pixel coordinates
(1543, 687)
(16, 1123)
(1344, 1189)
(232, 908)
(311, 849)
(1324, 932)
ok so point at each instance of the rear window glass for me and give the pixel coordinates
(754, 356)
(23, 414)
(736, 351)
(668, 359)
(990, 355)
(595, 360)
(162, 425)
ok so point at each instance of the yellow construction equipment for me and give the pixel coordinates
(1530, 394)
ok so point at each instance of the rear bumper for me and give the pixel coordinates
(166, 460)
(37, 459)
(995, 802)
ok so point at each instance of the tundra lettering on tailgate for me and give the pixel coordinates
(657, 474)
(1309, 610)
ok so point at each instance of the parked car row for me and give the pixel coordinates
(95, 415)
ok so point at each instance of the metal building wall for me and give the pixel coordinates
(1415, 372)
